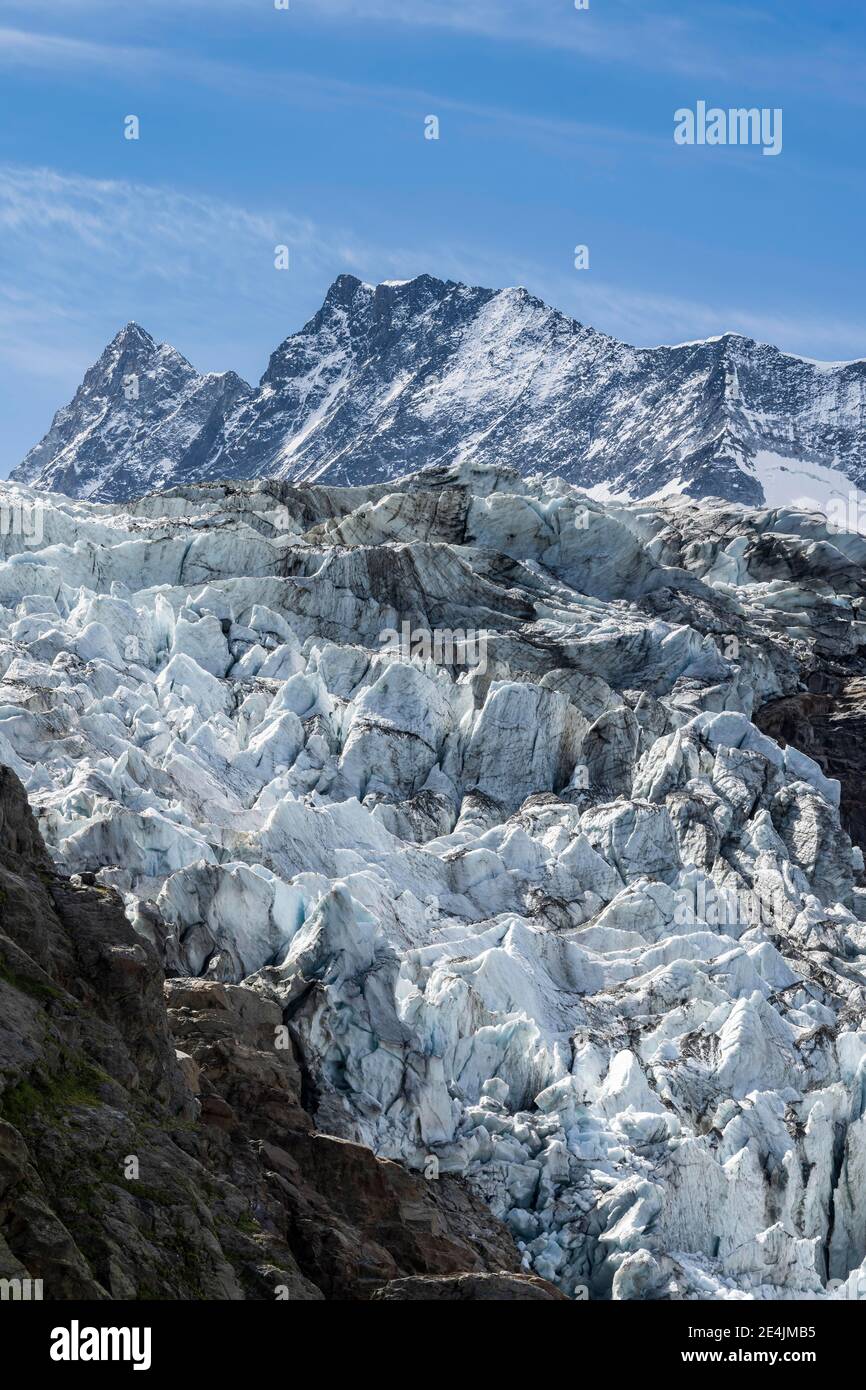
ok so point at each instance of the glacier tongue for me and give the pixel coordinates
(560, 919)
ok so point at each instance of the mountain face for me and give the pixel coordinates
(565, 920)
(388, 379)
(141, 417)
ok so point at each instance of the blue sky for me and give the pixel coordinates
(306, 127)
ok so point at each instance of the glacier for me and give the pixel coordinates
(565, 921)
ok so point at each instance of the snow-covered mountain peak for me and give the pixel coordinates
(131, 337)
(386, 379)
(141, 416)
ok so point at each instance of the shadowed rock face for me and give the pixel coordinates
(232, 1194)
(828, 723)
(139, 406)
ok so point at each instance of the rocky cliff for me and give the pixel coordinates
(154, 1142)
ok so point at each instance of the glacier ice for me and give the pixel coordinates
(565, 919)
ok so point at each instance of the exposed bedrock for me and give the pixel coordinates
(828, 722)
(153, 1153)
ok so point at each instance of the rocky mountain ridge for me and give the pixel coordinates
(387, 379)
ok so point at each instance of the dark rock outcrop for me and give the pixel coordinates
(153, 1152)
(829, 724)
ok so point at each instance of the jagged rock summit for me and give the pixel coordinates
(141, 417)
(387, 379)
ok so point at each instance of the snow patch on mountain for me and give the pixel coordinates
(789, 482)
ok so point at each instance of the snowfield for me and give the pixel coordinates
(565, 922)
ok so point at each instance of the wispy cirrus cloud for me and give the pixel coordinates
(83, 255)
(741, 44)
(298, 89)
(80, 249)
(724, 42)
(651, 319)
(76, 230)
(634, 38)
